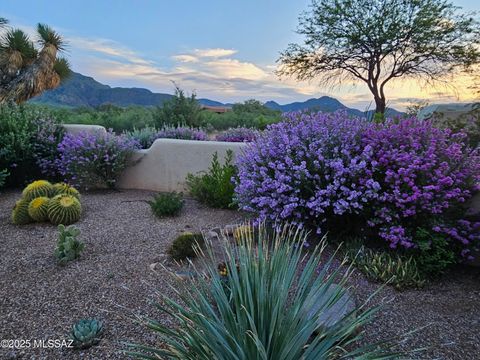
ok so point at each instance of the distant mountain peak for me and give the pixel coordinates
(81, 90)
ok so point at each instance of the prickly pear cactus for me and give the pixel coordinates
(37, 209)
(86, 333)
(63, 188)
(37, 189)
(64, 209)
(20, 212)
(68, 246)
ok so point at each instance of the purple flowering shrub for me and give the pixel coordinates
(239, 134)
(91, 159)
(182, 132)
(329, 173)
(45, 144)
(426, 174)
(308, 169)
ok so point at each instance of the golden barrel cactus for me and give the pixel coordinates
(38, 208)
(20, 212)
(63, 188)
(64, 209)
(37, 189)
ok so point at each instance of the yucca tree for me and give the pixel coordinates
(259, 308)
(25, 70)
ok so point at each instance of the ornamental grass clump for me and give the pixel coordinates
(329, 172)
(261, 310)
(90, 159)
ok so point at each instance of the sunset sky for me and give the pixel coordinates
(225, 50)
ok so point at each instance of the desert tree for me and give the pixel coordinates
(27, 70)
(376, 41)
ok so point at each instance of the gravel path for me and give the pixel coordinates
(113, 279)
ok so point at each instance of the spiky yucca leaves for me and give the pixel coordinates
(64, 209)
(86, 333)
(38, 208)
(63, 188)
(16, 51)
(36, 189)
(20, 214)
(262, 313)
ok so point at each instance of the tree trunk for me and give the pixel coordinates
(380, 105)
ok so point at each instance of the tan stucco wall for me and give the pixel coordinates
(166, 164)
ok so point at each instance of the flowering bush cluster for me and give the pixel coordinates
(146, 136)
(317, 170)
(239, 134)
(91, 159)
(182, 132)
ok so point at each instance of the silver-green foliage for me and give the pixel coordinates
(86, 333)
(400, 271)
(68, 246)
(259, 312)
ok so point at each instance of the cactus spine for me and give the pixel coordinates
(38, 208)
(37, 189)
(20, 213)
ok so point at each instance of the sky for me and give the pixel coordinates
(224, 50)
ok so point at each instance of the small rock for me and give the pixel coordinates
(336, 312)
(153, 266)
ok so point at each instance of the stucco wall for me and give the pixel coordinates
(166, 164)
(77, 128)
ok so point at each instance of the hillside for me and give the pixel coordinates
(81, 90)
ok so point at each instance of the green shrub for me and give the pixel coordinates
(28, 142)
(183, 246)
(380, 265)
(215, 187)
(167, 204)
(68, 246)
(262, 310)
(180, 109)
(434, 255)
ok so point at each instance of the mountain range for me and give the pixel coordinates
(85, 91)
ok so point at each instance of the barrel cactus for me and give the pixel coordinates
(63, 188)
(86, 333)
(38, 208)
(20, 212)
(37, 189)
(64, 209)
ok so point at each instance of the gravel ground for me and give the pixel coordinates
(113, 280)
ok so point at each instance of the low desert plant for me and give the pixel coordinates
(86, 333)
(64, 209)
(182, 133)
(145, 137)
(36, 189)
(167, 204)
(183, 247)
(263, 310)
(38, 209)
(402, 272)
(20, 214)
(215, 187)
(68, 246)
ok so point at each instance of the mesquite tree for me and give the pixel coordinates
(26, 71)
(375, 41)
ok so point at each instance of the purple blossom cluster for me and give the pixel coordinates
(239, 134)
(89, 159)
(319, 170)
(182, 132)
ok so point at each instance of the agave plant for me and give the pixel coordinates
(264, 312)
(86, 333)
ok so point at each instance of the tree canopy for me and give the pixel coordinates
(376, 41)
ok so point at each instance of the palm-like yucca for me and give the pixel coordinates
(258, 310)
(26, 71)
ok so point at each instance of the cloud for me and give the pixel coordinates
(185, 58)
(216, 53)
